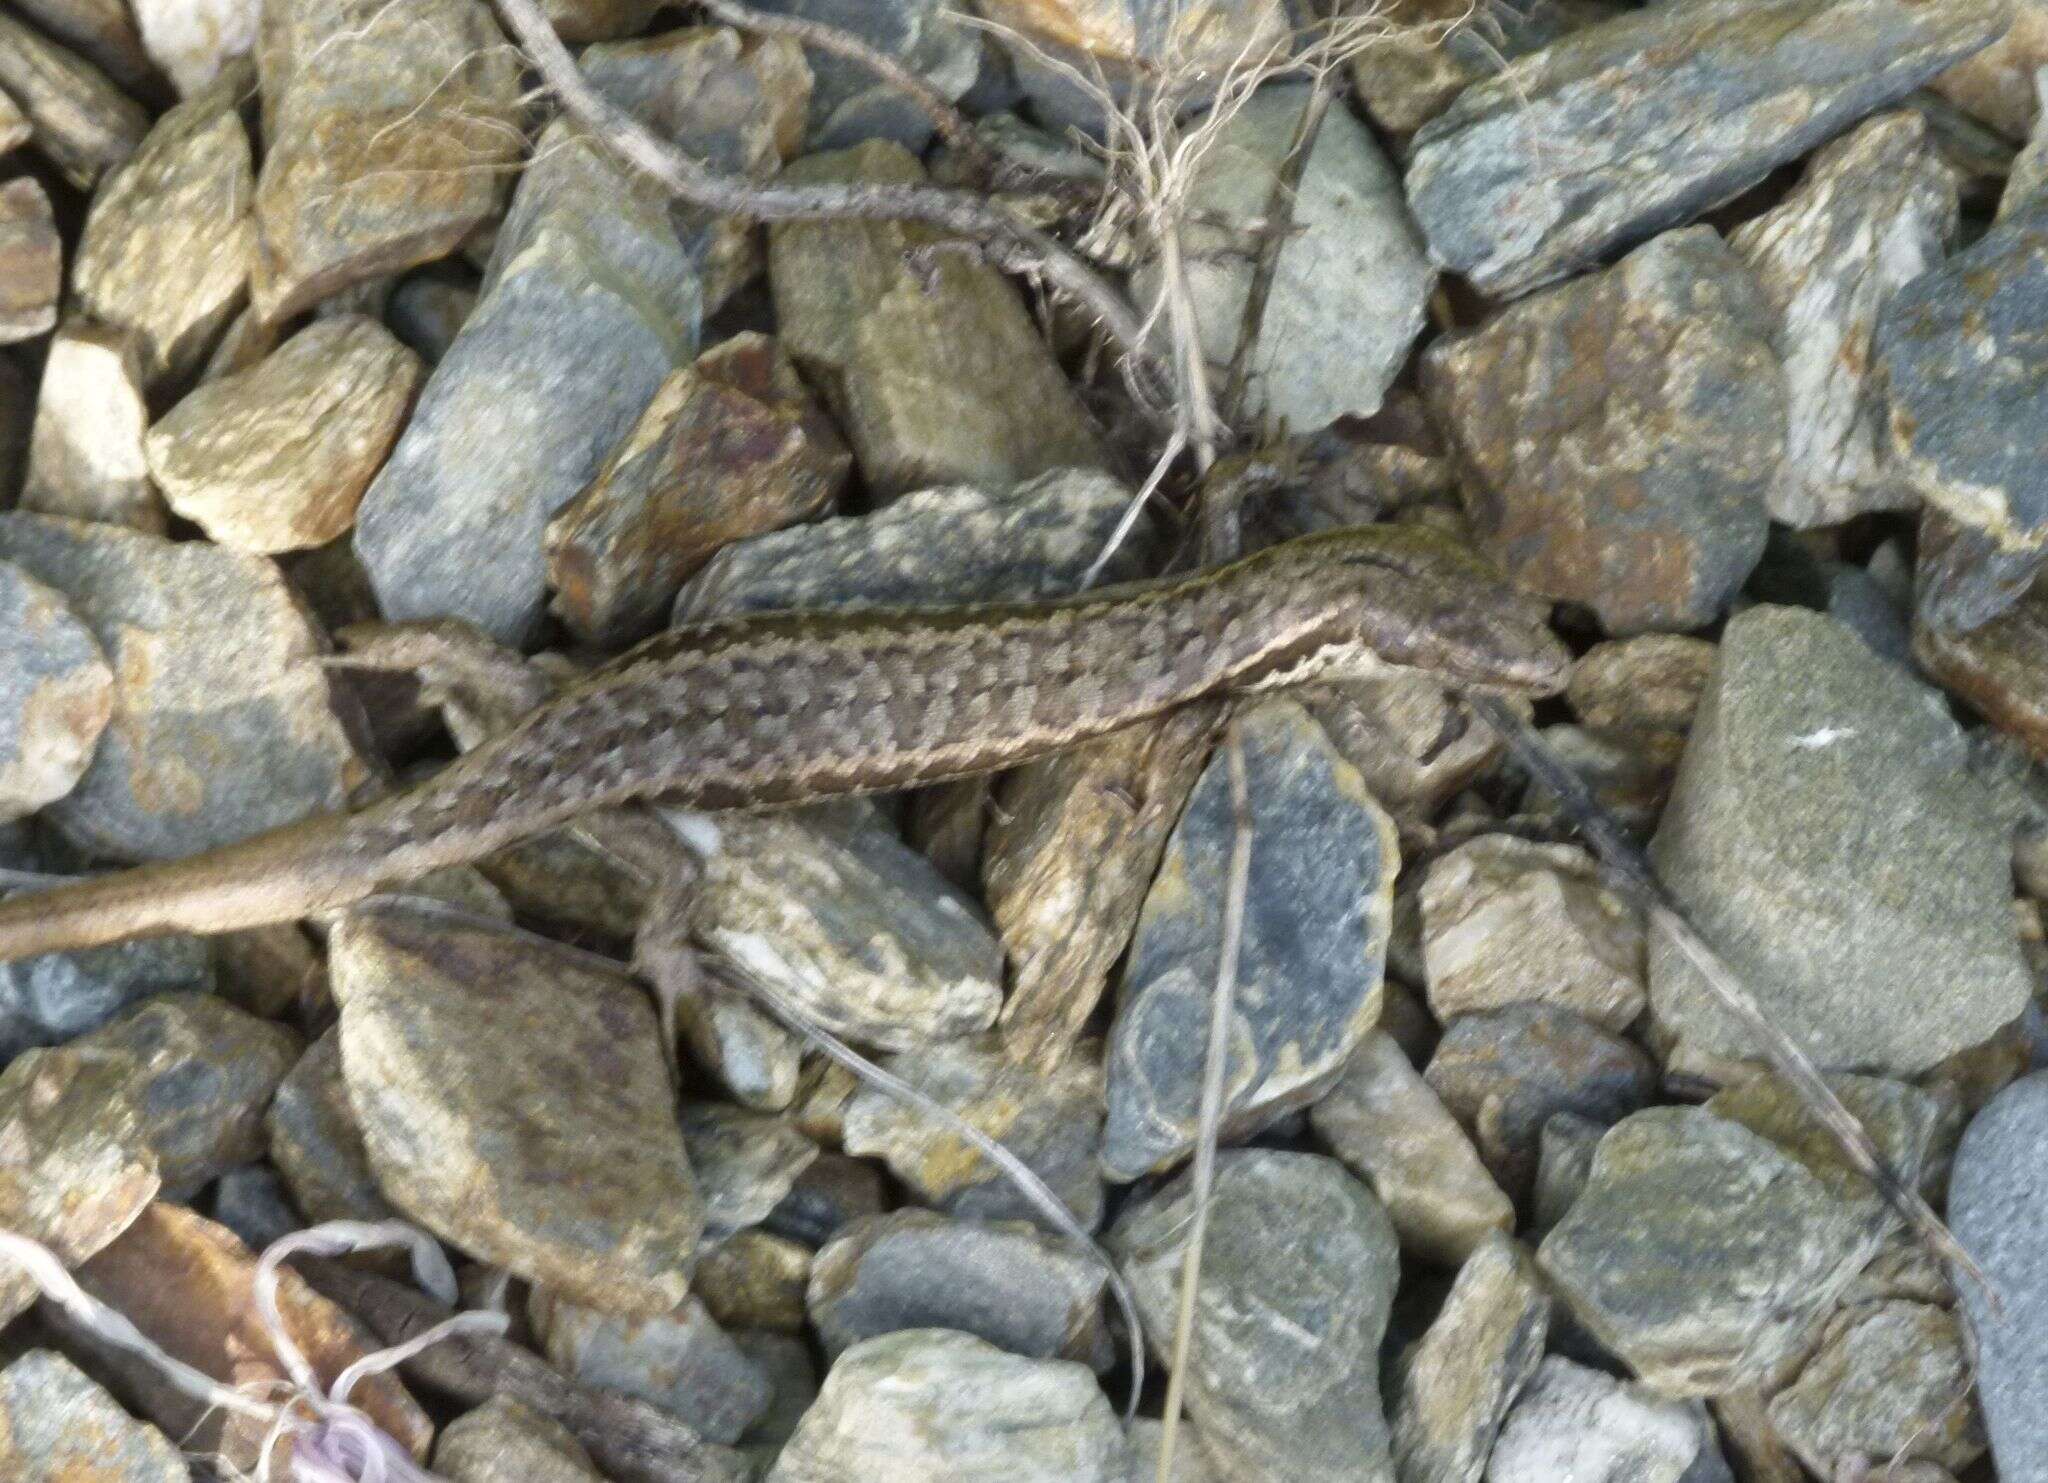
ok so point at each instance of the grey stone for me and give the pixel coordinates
(1459, 1381)
(316, 1143)
(1298, 1272)
(1146, 1437)
(428, 310)
(83, 124)
(56, 694)
(1576, 1423)
(55, 997)
(1505, 1073)
(222, 720)
(681, 1361)
(835, 1191)
(931, 1403)
(787, 1363)
(506, 1441)
(1312, 958)
(103, 31)
(570, 1173)
(1873, 211)
(1620, 432)
(745, 1163)
(252, 1201)
(57, 1426)
(1349, 284)
(1617, 131)
(1005, 1282)
(1998, 1207)
(1890, 1380)
(1564, 1161)
(1827, 837)
(1416, 743)
(848, 102)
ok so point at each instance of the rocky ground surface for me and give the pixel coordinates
(1723, 324)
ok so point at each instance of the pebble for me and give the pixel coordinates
(754, 1280)
(56, 695)
(252, 1201)
(1890, 1381)
(1826, 836)
(1311, 962)
(1632, 481)
(194, 41)
(681, 1361)
(428, 310)
(1416, 743)
(506, 1441)
(1298, 1273)
(317, 1144)
(849, 103)
(82, 123)
(57, 1426)
(85, 457)
(834, 1192)
(745, 1163)
(2000, 669)
(101, 31)
(1434, 49)
(31, 261)
(1641, 692)
(571, 1174)
(1576, 1423)
(55, 997)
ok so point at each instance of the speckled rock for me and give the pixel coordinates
(931, 1403)
(505, 1441)
(1313, 955)
(1873, 211)
(57, 1426)
(1564, 1161)
(1576, 1423)
(849, 103)
(56, 694)
(937, 377)
(83, 124)
(745, 1163)
(571, 1174)
(1825, 834)
(1349, 285)
(222, 723)
(85, 455)
(1298, 1272)
(755, 1280)
(1434, 49)
(31, 261)
(1891, 1380)
(1641, 692)
(1391, 1130)
(1416, 743)
(681, 1361)
(1633, 479)
(316, 1143)
(56, 997)
(1623, 128)
(168, 243)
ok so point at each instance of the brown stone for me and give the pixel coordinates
(31, 261)
(1996, 86)
(1642, 689)
(2000, 670)
(85, 456)
(83, 123)
(504, 1441)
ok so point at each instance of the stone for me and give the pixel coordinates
(936, 376)
(201, 1073)
(599, 20)
(1913, 1127)
(1873, 210)
(1005, 1282)
(252, 1202)
(1298, 1272)
(681, 1361)
(1616, 131)
(1564, 1161)
(1631, 480)
(849, 103)
(1146, 1437)
(189, 1285)
(388, 137)
(428, 310)
(787, 1363)
(1998, 1208)
(101, 31)
(31, 261)
(15, 129)
(754, 1280)
(731, 446)
(276, 458)
(1996, 86)
(222, 721)
(1311, 963)
(755, 1059)
(1701, 1253)
(506, 1441)
(745, 1163)
(1391, 1130)
(1416, 743)
(57, 1426)
(1503, 1075)
(194, 41)
(1349, 285)
(1891, 1380)
(834, 1192)
(1510, 921)
(1641, 691)
(1433, 49)
(168, 241)
(56, 695)
(829, 908)
(85, 456)
(1576, 1423)
(83, 124)
(316, 1143)
(1458, 1382)
(2000, 670)
(931, 1403)
(571, 1174)
(56, 997)
(1825, 834)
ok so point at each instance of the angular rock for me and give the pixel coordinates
(31, 261)
(1146, 1439)
(830, 1195)
(222, 722)
(1051, 1120)
(194, 41)
(85, 456)
(1509, 921)
(788, 1365)
(1349, 284)
(1873, 211)
(1434, 49)
(1642, 691)
(387, 135)
(56, 696)
(57, 1426)
(506, 1441)
(753, 1057)
(745, 1163)
(1576, 1423)
(1416, 743)
(1891, 1380)
(276, 458)
(1459, 1381)
(317, 1144)
(1505, 1073)
(937, 377)
(731, 446)
(755, 1280)
(571, 1173)
(1621, 431)
(849, 103)
(1617, 131)
(1005, 1282)
(1387, 1126)
(1312, 959)
(168, 243)
(1298, 1272)
(1826, 836)
(83, 124)
(930, 1403)
(1915, 1128)
(1999, 670)
(252, 1202)
(681, 1361)
(1564, 1161)
(57, 997)
(103, 32)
